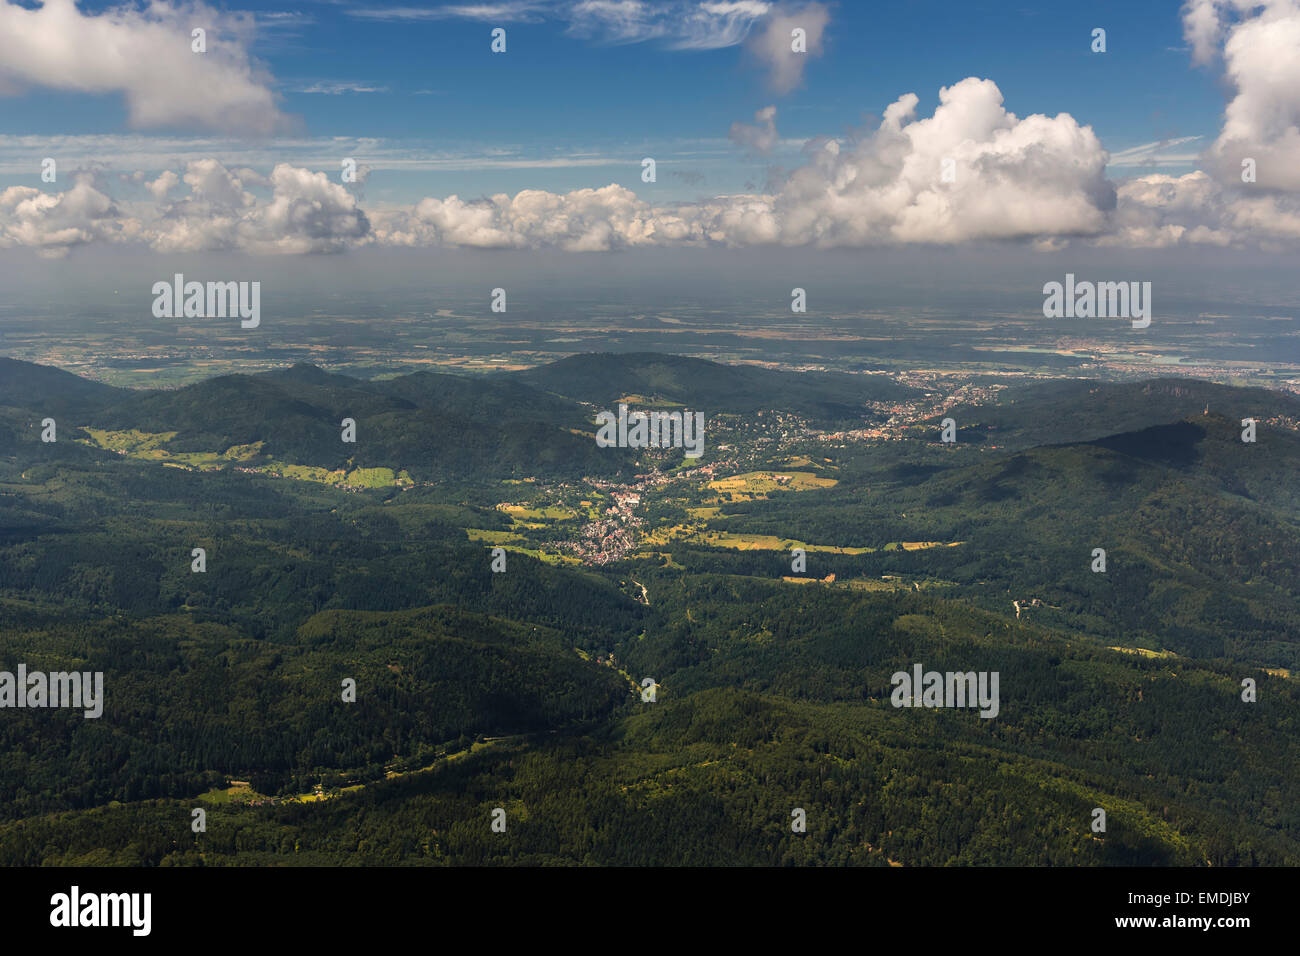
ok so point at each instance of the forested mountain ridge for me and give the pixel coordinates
(1057, 412)
(601, 379)
(429, 426)
(52, 390)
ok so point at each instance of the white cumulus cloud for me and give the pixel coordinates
(1261, 60)
(54, 223)
(143, 53)
(1012, 178)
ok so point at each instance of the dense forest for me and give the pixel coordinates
(522, 691)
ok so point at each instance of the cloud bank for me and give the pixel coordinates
(1012, 178)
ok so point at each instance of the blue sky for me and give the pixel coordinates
(922, 122)
(433, 86)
